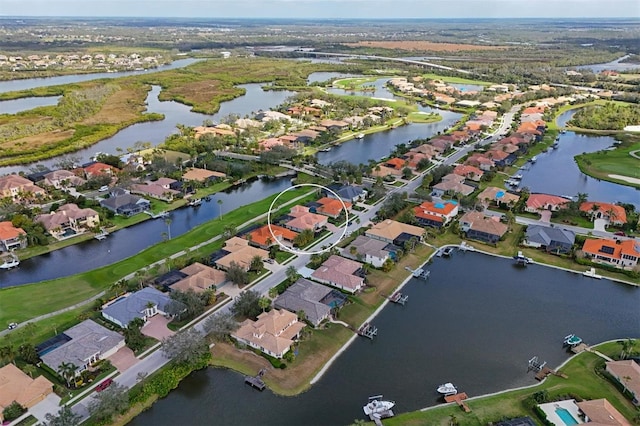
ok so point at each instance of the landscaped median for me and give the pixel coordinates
(29, 301)
(582, 382)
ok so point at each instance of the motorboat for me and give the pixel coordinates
(325, 149)
(572, 340)
(195, 202)
(447, 251)
(378, 407)
(360, 136)
(521, 259)
(447, 389)
(10, 261)
(517, 177)
(534, 159)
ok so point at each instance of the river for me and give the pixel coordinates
(475, 322)
(556, 172)
(129, 241)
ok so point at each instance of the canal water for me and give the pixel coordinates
(556, 172)
(130, 241)
(475, 322)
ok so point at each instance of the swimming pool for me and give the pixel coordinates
(566, 416)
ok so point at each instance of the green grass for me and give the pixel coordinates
(355, 83)
(27, 421)
(582, 381)
(456, 80)
(28, 301)
(602, 164)
(422, 117)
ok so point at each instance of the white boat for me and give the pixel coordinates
(534, 159)
(521, 259)
(325, 149)
(447, 389)
(360, 136)
(572, 340)
(195, 202)
(592, 274)
(377, 406)
(517, 177)
(10, 262)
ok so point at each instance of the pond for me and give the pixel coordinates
(15, 106)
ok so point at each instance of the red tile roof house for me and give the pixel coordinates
(480, 161)
(331, 207)
(469, 172)
(614, 214)
(627, 372)
(537, 202)
(11, 238)
(268, 144)
(435, 214)
(396, 163)
(414, 158)
(99, 169)
(621, 254)
(304, 219)
(263, 238)
(341, 273)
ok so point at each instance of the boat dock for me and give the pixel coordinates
(418, 273)
(459, 399)
(102, 235)
(541, 369)
(156, 215)
(256, 381)
(383, 415)
(368, 330)
(399, 298)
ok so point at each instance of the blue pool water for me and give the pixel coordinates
(499, 194)
(566, 416)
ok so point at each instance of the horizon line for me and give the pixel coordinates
(306, 18)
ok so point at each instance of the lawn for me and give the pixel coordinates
(28, 301)
(423, 117)
(603, 164)
(355, 83)
(582, 381)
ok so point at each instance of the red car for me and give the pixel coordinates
(105, 384)
(620, 234)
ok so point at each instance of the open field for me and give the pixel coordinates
(604, 164)
(421, 45)
(422, 117)
(581, 381)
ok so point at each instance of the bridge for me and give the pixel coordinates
(385, 58)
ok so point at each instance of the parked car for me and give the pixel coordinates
(620, 234)
(103, 188)
(105, 384)
(13, 325)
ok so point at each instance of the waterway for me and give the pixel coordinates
(31, 83)
(15, 106)
(555, 172)
(613, 65)
(130, 241)
(475, 322)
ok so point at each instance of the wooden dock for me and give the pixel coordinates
(546, 371)
(384, 415)
(367, 330)
(459, 399)
(256, 381)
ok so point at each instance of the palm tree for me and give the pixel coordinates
(264, 303)
(292, 273)
(7, 354)
(167, 221)
(30, 369)
(68, 371)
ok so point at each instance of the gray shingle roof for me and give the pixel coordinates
(87, 339)
(304, 295)
(368, 246)
(546, 234)
(131, 307)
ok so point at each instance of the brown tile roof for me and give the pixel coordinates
(99, 169)
(601, 412)
(488, 224)
(391, 229)
(15, 385)
(627, 368)
(340, 271)
(201, 175)
(200, 278)
(491, 194)
(468, 171)
(272, 330)
(303, 219)
(240, 252)
(9, 182)
(396, 163)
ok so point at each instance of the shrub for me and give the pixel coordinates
(13, 411)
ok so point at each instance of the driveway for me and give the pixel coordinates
(156, 327)
(545, 216)
(51, 404)
(600, 224)
(123, 359)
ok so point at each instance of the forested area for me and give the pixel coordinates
(610, 116)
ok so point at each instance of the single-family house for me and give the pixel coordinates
(367, 250)
(18, 188)
(307, 135)
(349, 193)
(452, 184)
(16, 386)
(436, 213)
(396, 163)
(306, 296)
(142, 304)
(382, 171)
(550, 238)
(239, 252)
(269, 143)
(537, 202)
(332, 207)
(155, 190)
(269, 115)
(492, 194)
(394, 232)
(480, 161)
(334, 125)
(61, 179)
(302, 218)
(84, 345)
(202, 175)
(99, 169)
(622, 254)
(339, 272)
(477, 226)
(200, 278)
(11, 238)
(600, 412)
(627, 372)
(123, 203)
(273, 332)
(469, 172)
(69, 220)
(613, 213)
(264, 238)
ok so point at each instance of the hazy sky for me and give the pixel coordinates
(325, 8)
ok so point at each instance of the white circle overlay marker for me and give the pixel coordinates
(303, 252)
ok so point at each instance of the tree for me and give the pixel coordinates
(64, 417)
(185, 347)
(111, 401)
(247, 305)
(264, 303)
(220, 207)
(256, 263)
(13, 411)
(407, 173)
(220, 326)
(30, 369)
(627, 348)
(133, 337)
(67, 371)
(237, 275)
(304, 238)
(28, 353)
(186, 304)
(292, 273)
